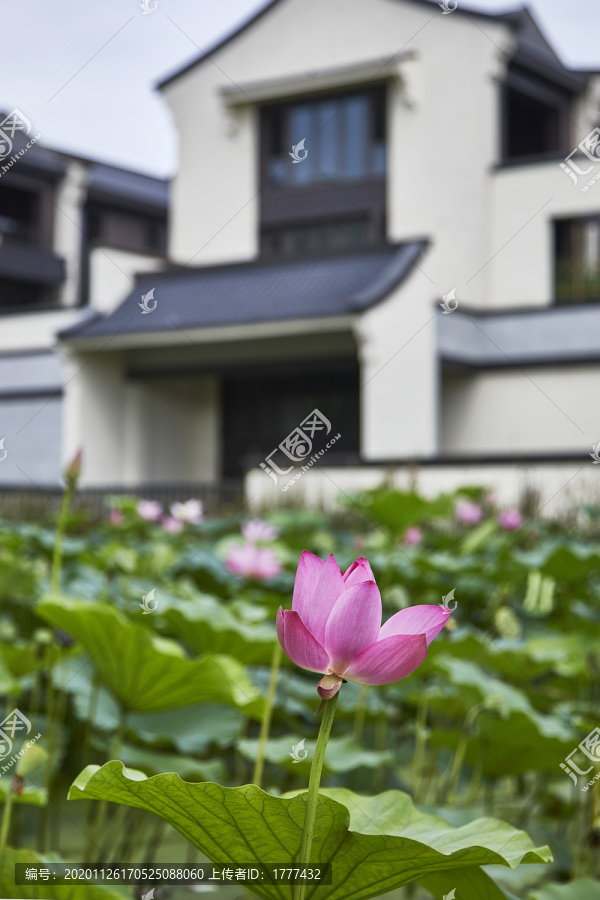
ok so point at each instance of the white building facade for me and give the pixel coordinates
(347, 167)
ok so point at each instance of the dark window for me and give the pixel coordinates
(319, 238)
(332, 195)
(536, 116)
(261, 410)
(533, 127)
(19, 214)
(16, 296)
(577, 260)
(343, 137)
(126, 230)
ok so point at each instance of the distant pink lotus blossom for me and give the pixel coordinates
(190, 512)
(150, 510)
(468, 513)
(334, 626)
(257, 530)
(413, 536)
(171, 525)
(115, 517)
(252, 561)
(510, 519)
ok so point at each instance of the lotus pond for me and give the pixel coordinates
(158, 721)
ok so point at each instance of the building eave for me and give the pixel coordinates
(219, 334)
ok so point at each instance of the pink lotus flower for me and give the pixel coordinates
(468, 513)
(150, 510)
(510, 519)
(257, 530)
(334, 627)
(413, 536)
(115, 517)
(252, 561)
(191, 511)
(171, 525)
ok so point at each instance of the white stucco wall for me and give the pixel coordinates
(68, 228)
(134, 432)
(535, 410)
(398, 397)
(172, 431)
(112, 275)
(524, 202)
(94, 415)
(559, 487)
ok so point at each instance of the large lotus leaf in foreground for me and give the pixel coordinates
(375, 843)
(146, 673)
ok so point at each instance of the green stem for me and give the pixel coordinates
(312, 798)
(97, 829)
(61, 526)
(6, 814)
(266, 719)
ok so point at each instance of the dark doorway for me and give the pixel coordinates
(261, 408)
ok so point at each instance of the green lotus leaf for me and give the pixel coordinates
(582, 889)
(376, 843)
(144, 672)
(151, 762)
(204, 623)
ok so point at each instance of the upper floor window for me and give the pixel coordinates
(577, 260)
(126, 231)
(342, 138)
(535, 116)
(19, 214)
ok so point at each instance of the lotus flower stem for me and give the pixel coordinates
(71, 476)
(313, 789)
(6, 816)
(266, 719)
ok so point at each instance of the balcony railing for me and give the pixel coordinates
(577, 282)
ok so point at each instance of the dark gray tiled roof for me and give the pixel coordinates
(112, 183)
(256, 292)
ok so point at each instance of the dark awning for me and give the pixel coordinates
(256, 292)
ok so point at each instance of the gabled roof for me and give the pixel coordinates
(531, 43)
(256, 292)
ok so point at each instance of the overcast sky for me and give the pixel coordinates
(84, 72)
